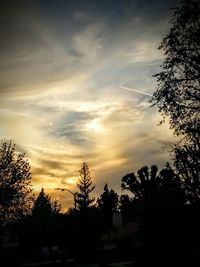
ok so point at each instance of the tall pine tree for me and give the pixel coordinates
(85, 186)
(44, 206)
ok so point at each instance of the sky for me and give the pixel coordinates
(76, 79)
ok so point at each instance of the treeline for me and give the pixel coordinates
(161, 220)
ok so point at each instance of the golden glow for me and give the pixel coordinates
(71, 181)
(94, 125)
(46, 186)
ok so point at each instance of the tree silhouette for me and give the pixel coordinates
(142, 184)
(148, 182)
(178, 91)
(85, 215)
(187, 163)
(85, 187)
(45, 222)
(158, 206)
(127, 208)
(43, 205)
(108, 204)
(15, 184)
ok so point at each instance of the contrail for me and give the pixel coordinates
(133, 90)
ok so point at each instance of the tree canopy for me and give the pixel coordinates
(178, 84)
(148, 182)
(108, 204)
(15, 184)
(178, 92)
(108, 200)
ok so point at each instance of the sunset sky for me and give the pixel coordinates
(64, 70)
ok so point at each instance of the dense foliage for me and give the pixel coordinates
(178, 92)
(15, 184)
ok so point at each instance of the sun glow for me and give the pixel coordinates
(94, 125)
(71, 181)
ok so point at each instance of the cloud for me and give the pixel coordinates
(145, 52)
(81, 16)
(60, 99)
(88, 42)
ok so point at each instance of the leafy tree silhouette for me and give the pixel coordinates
(187, 162)
(178, 92)
(15, 184)
(108, 204)
(158, 205)
(148, 182)
(85, 187)
(128, 209)
(45, 222)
